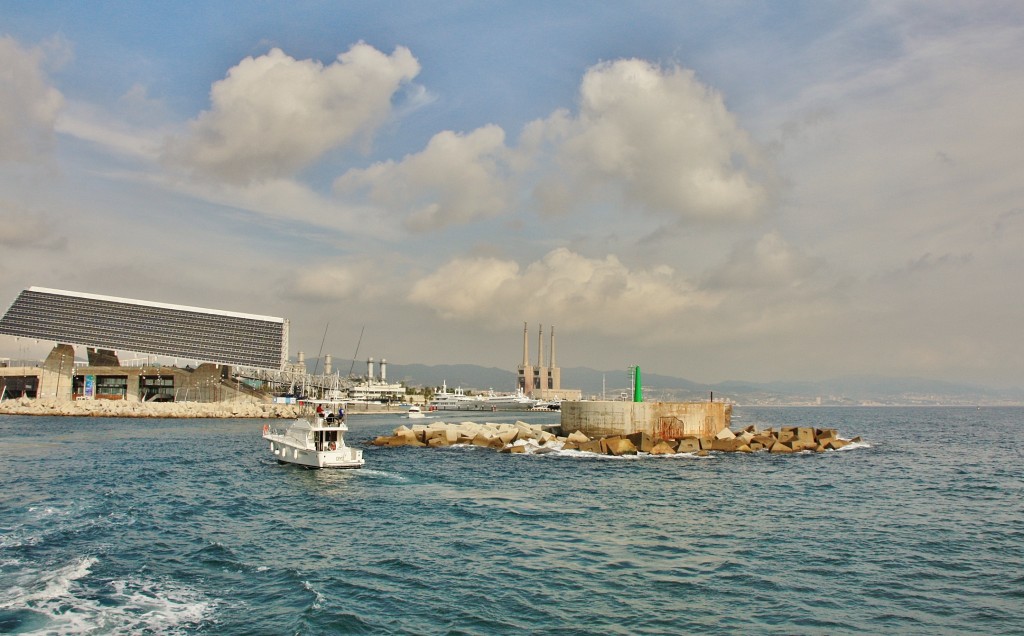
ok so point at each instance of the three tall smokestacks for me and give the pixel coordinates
(540, 347)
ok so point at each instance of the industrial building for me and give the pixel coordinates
(377, 389)
(215, 339)
(110, 323)
(542, 382)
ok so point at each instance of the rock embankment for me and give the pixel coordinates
(127, 408)
(497, 436)
(526, 438)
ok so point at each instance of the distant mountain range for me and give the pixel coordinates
(851, 390)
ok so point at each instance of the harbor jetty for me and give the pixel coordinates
(138, 408)
(521, 437)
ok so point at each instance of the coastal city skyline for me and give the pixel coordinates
(715, 192)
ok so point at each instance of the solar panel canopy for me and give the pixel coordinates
(107, 322)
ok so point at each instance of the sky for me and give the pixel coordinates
(717, 191)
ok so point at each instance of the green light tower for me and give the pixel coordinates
(638, 390)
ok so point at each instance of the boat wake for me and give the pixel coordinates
(555, 449)
(381, 474)
(68, 600)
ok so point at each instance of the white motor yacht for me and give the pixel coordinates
(313, 441)
(517, 401)
(415, 413)
(456, 400)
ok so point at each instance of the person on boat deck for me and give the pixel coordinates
(341, 413)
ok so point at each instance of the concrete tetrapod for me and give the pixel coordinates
(533, 439)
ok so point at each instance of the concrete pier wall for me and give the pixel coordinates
(56, 377)
(55, 374)
(662, 420)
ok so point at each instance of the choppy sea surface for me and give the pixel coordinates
(120, 526)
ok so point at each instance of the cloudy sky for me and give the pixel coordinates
(722, 190)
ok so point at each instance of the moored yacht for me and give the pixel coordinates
(455, 400)
(517, 401)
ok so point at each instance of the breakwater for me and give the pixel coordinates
(132, 408)
(137, 408)
(521, 437)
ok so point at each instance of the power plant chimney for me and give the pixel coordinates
(540, 348)
(369, 369)
(553, 365)
(383, 370)
(327, 364)
(526, 347)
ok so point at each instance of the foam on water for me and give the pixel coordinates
(639, 456)
(370, 472)
(35, 586)
(318, 598)
(63, 600)
(854, 446)
(38, 522)
(145, 605)
(555, 449)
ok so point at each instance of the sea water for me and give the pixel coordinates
(122, 526)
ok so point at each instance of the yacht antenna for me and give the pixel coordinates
(356, 354)
(316, 365)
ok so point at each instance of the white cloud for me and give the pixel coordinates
(767, 263)
(662, 140)
(89, 123)
(918, 149)
(29, 105)
(455, 179)
(137, 106)
(414, 98)
(285, 201)
(332, 282)
(603, 295)
(273, 115)
(135, 128)
(466, 288)
(656, 139)
(21, 228)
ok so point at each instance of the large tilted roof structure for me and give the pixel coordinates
(108, 322)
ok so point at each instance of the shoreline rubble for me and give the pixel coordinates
(521, 437)
(237, 409)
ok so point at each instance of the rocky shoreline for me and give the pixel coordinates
(133, 408)
(128, 408)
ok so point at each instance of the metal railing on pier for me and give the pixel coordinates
(317, 386)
